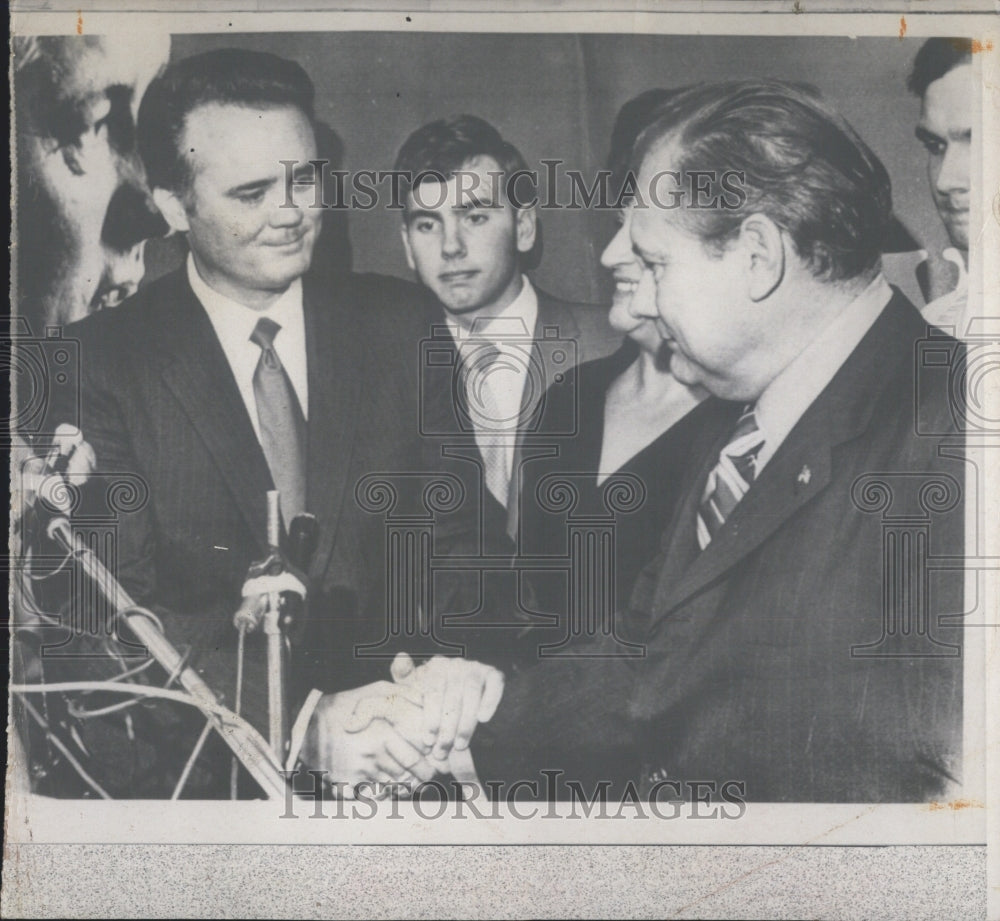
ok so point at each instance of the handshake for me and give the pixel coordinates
(405, 731)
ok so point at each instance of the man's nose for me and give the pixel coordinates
(619, 249)
(452, 242)
(954, 173)
(287, 213)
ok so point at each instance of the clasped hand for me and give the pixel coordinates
(405, 731)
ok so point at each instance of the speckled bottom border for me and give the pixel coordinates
(252, 881)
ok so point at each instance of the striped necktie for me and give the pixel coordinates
(730, 478)
(486, 414)
(282, 422)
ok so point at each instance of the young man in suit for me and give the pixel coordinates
(798, 641)
(469, 231)
(235, 375)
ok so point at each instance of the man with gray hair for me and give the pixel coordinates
(796, 644)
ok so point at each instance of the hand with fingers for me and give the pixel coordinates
(370, 734)
(457, 695)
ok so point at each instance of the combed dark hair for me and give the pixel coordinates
(630, 121)
(445, 146)
(229, 76)
(934, 59)
(798, 160)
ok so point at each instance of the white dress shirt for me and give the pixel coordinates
(233, 323)
(512, 332)
(793, 391)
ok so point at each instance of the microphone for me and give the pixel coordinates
(69, 462)
(66, 440)
(282, 572)
(303, 538)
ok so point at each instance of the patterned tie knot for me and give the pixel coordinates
(746, 443)
(730, 480)
(263, 336)
(746, 425)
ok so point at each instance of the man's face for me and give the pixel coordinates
(634, 285)
(716, 334)
(463, 239)
(245, 244)
(83, 210)
(945, 129)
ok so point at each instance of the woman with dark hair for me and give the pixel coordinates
(631, 420)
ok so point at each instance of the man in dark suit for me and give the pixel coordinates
(492, 347)
(239, 374)
(799, 641)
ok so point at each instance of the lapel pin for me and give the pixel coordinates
(805, 475)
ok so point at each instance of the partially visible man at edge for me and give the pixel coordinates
(84, 211)
(942, 78)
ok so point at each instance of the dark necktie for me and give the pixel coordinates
(730, 478)
(282, 423)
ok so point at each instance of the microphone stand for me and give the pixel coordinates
(264, 606)
(277, 713)
(244, 741)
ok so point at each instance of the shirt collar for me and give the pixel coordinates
(515, 322)
(790, 394)
(236, 319)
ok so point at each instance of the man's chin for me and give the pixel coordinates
(462, 307)
(289, 270)
(960, 241)
(958, 231)
(682, 369)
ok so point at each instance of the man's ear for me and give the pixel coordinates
(764, 246)
(526, 228)
(404, 232)
(172, 209)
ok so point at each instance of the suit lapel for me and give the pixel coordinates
(798, 472)
(333, 354)
(196, 371)
(801, 468)
(554, 317)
